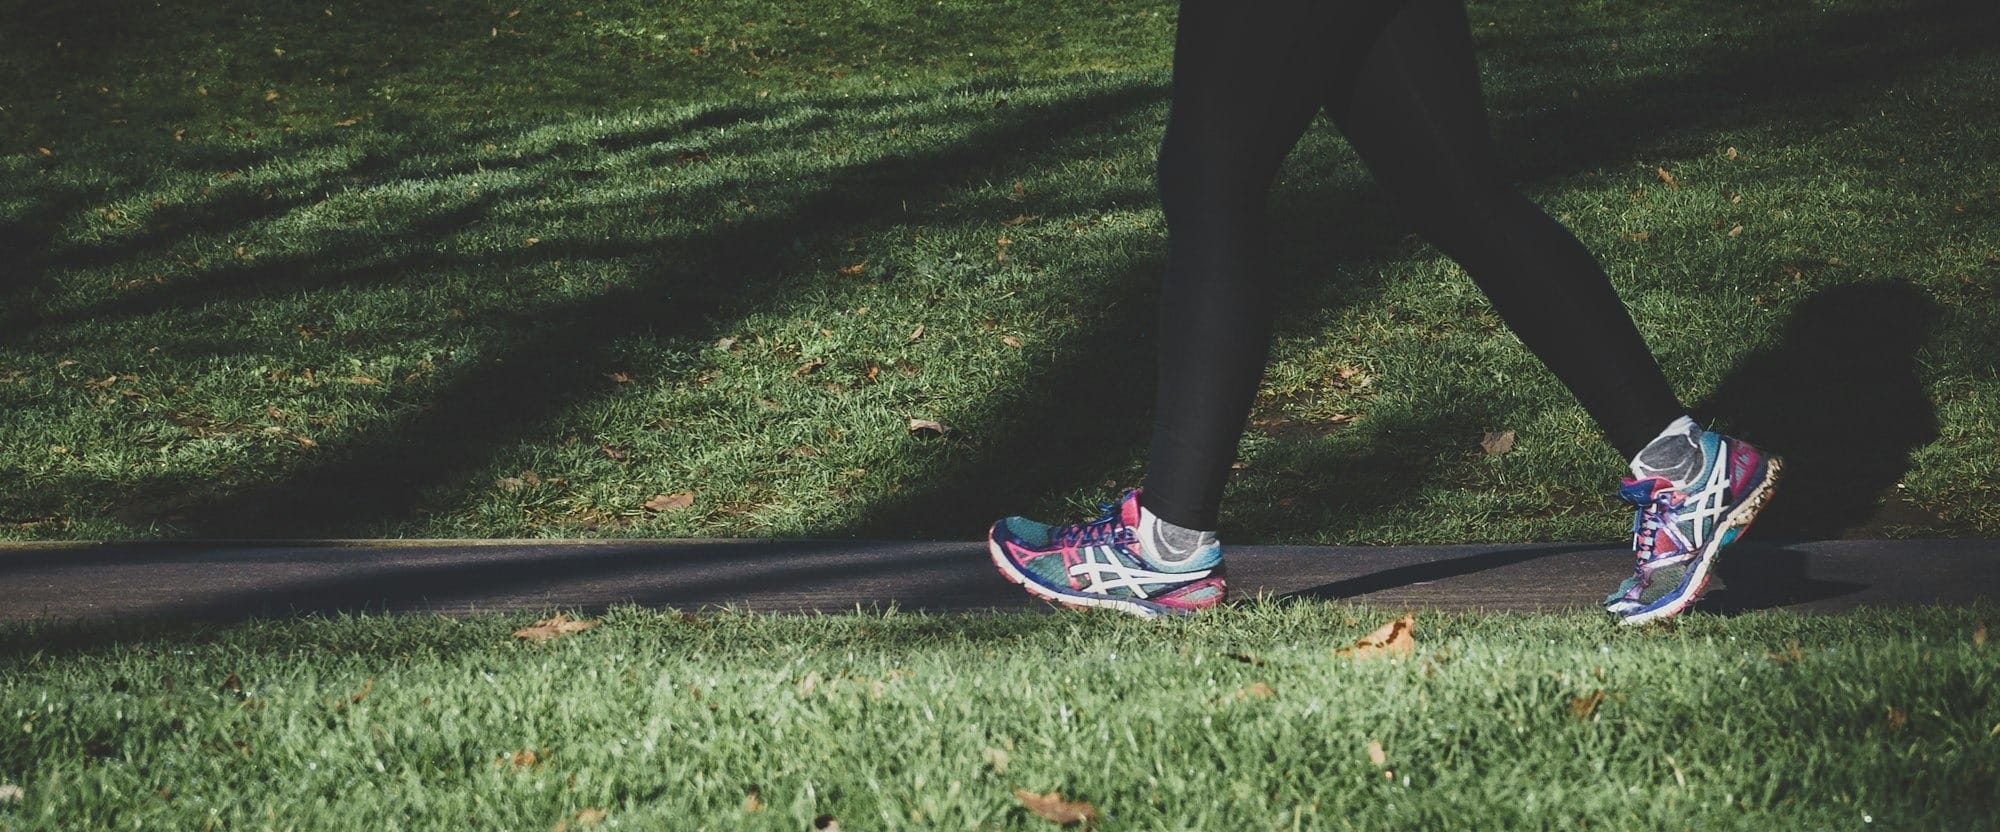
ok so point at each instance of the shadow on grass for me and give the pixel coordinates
(372, 483)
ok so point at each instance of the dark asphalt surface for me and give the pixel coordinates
(233, 580)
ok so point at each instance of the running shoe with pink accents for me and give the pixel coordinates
(1679, 532)
(1103, 564)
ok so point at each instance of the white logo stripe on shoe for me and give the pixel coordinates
(1706, 507)
(1104, 573)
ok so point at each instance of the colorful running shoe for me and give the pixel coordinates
(1102, 564)
(1677, 535)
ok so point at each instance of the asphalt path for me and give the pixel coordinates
(235, 580)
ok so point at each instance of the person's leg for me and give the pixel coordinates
(1247, 81)
(1415, 116)
(1413, 113)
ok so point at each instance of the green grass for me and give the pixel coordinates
(1875, 720)
(376, 269)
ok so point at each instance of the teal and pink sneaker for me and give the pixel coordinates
(1102, 564)
(1678, 534)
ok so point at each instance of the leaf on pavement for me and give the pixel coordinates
(1396, 638)
(557, 627)
(670, 502)
(1583, 707)
(1052, 807)
(1495, 444)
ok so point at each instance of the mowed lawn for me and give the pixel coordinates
(617, 269)
(1246, 718)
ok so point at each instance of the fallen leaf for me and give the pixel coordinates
(350, 121)
(584, 820)
(997, 758)
(614, 453)
(809, 684)
(45, 151)
(361, 694)
(1730, 154)
(1496, 444)
(1020, 192)
(1020, 219)
(1256, 691)
(927, 428)
(1375, 753)
(874, 370)
(232, 684)
(1898, 719)
(670, 502)
(532, 241)
(1979, 635)
(915, 334)
(1667, 178)
(1737, 231)
(557, 627)
(1639, 236)
(1052, 807)
(1792, 652)
(518, 759)
(361, 380)
(825, 823)
(725, 344)
(1011, 341)
(753, 803)
(10, 793)
(1583, 707)
(1395, 638)
(509, 483)
(809, 368)
(620, 378)
(854, 270)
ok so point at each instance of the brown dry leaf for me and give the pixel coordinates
(1639, 236)
(1737, 231)
(1792, 652)
(1020, 219)
(361, 380)
(1396, 638)
(1584, 707)
(45, 151)
(1011, 341)
(1730, 154)
(509, 483)
(557, 627)
(1256, 691)
(670, 502)
(350, 121)
(927, 428)
(1667, 178)
(1052, 807)
(753, 803)
(614, 453)
(584, 820)
(517, 760)
(366, 688)
(532, 241)
(1898, 719)
(1495, 444)
(915, 334)
(1979, 635)
(307, 442)
(1375, 753)
(1020, 192)
(874, 370)
(809, 368)
(853, 271)
(232, 684)
(725, 344)
(10, 793)
(620, 378)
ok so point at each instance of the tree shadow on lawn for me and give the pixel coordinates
(379, 480)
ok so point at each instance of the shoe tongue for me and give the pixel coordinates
(1640, 492)
(1128, 509)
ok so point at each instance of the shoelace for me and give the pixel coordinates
(1107, 528)
(1654, 515)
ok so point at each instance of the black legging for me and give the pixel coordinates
(1399, 80)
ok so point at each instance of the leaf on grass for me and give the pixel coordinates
(45, 151)
(1737, 231)
(753, 803)
(809, 684)
(509, 484)
(1898, 719)
(1396, 638)
(927, 428)
(874, 370)
(517, 760)
(1375, 753)
(1979, 635)
(614, 453)
(1583, 707)
(854, 270)
(670, 502)
(1792, 652)
(361, 380)
(1020, 192)
(366, 688)
(1667, 178)
(557, 627)
(620, 378)
(10, 793)
(1052, 807)
(825, 823)
(232, 684)
(532, 241)
(997, 758)
(1495, 444)
(725, 344)
(350, 121)
(1011, 341)
(1256, 691)
(809, 368)
(584, 820)
(915, 334)
(1020, 219)
(1730, 154)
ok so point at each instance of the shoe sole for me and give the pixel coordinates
(1739, 519)
(1075, 601)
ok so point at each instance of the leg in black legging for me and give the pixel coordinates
(1244, 91)
(1413, 113)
